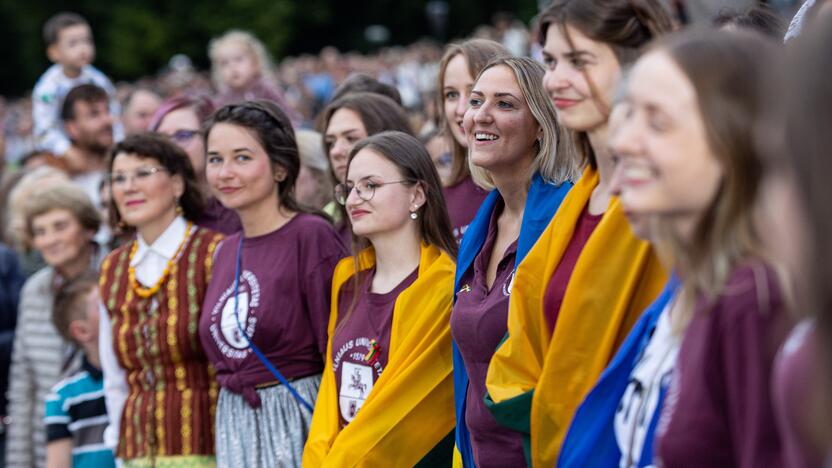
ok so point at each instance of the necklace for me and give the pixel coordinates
(131, 272)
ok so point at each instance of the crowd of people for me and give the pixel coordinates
(598, 242)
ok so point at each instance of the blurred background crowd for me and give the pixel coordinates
(299, 54)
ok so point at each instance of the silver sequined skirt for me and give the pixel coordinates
(270, 436)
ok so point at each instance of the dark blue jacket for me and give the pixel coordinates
(11, 281)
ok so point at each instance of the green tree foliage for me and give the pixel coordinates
(136, 39)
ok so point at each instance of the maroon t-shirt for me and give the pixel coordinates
(556, 289)
(219, 218)
(797, 389)
(478, 324)
(361, 342)
(718, 411)
(463, 199)
(284, 304)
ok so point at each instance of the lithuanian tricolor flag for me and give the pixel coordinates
(537, 379)
(408, 416)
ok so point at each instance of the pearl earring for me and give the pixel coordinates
(413, 215)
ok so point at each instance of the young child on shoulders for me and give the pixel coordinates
(242, 71)
(76, 415)
(70, 47)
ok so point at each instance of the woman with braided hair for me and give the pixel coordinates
(265, 315)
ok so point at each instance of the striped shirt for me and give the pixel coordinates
(37, 356)
(75, 409)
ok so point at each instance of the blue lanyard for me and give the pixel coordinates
(251, 345)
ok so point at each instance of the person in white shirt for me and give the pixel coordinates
(159, 391)
(70, 47)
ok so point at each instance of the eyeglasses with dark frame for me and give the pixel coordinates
(365, 189)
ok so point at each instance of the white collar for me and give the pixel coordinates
(166, 245)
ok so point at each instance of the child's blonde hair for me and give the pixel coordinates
(261, 55)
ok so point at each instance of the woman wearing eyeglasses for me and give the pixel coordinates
(264, 319)
(386, 396)
(159, 388)
(180, 119)
(346, 121)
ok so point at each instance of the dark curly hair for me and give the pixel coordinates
(172, 158)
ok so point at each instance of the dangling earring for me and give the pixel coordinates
(179, 210)
(413, 213)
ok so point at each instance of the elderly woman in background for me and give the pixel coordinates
(14, 221)
(61, 222)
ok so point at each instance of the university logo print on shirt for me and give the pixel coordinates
(356, 384)
(359, 358)
(224, 330)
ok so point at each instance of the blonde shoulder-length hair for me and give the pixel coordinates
(556, 158)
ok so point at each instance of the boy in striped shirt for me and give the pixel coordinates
(75, 411)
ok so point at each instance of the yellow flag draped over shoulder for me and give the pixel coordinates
(410, 408)
(615, 278)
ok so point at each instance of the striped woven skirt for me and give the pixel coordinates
(272, 435)
(184, 461)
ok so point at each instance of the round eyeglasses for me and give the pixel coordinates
(365, 189)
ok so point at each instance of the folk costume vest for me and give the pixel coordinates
(170, 406)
